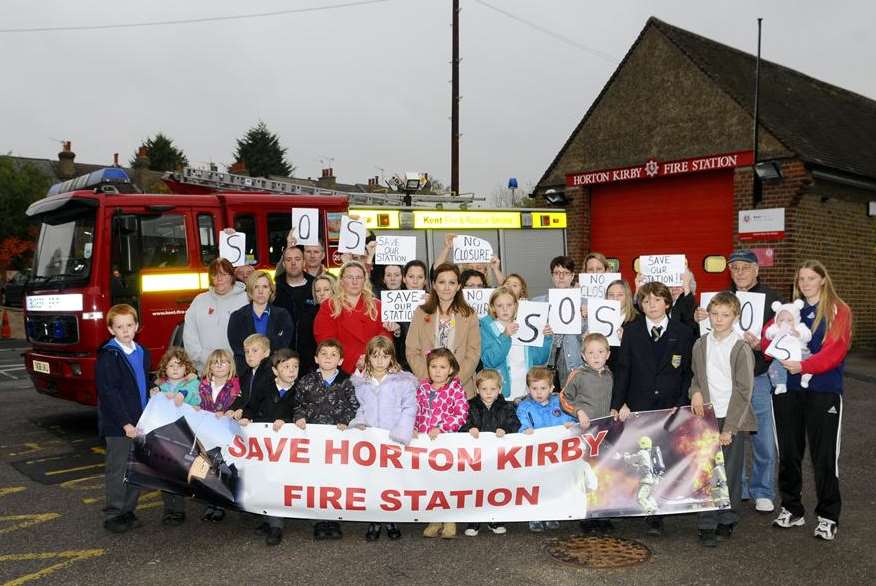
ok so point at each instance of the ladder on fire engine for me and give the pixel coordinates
(220, 181)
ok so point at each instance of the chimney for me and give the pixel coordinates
(66, 166)
(141, 166)
(238, 168)
(115, 159)
(328, 178)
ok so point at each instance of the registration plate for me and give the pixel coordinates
(40, 366)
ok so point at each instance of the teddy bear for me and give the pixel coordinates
(787, 321)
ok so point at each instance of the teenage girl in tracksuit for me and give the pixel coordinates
(814, 414)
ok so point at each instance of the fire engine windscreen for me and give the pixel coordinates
(64, 250)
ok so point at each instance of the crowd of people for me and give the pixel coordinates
(306, 347)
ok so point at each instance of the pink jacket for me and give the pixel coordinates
(445, 408)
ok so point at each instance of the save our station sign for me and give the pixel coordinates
(653, 168)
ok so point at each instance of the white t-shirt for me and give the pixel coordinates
(719, 371)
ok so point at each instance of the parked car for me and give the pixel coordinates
(13, 293)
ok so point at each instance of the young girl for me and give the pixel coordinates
(218, 390)
(619, 291)
(497, 351)
(518, 286)
(441, 408)
(387, 400)
(177, 378)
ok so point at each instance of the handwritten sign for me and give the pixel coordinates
(664, 268)
(532, 316)
(595, 284)
(785, 347)
(352, 237)
(305, 222)
(399, 305)
(751, 314)
(232, 247)
(565, 311)
(470, 249)
(395, 250)
(478, 299)
(604, 317)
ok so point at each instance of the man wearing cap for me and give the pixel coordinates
(761, 486)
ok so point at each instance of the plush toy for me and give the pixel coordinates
(787, 321)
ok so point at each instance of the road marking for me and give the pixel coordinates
(10, 490)
(26, 521)
(69, 557)
(74, 483)
(76, 469)
(98, 450)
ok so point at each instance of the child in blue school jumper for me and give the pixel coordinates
(121, 373)
(541, 409)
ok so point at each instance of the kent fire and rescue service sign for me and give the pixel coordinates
(653, 168)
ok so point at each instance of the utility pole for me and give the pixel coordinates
(454, 105)
(757, 187)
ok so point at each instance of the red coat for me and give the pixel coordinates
(353, 329)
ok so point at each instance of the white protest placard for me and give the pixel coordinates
(751, 314)
(595, 284)
(232, 247)
(395, 250)
(399, 305)
(785, 347)
(664, 268)
(706, 324)
(470, 249)
(565, 311)
(352, 236)
(305, 222)
(478, 299)
(604, 317)
(532, 316)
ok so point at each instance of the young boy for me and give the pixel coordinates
(723, 367)
(653, 371)
(121, 373)
(587, 396)
(326, 396)
(489, 411)
(273, 402)
(541, 409)
(257, 374)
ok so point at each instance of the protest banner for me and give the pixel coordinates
(395, 250)
(664, 268)
(604, 317)
(595, 284)
(232, 247)
(470, 249)
(564, 316)
(532, 316)
(399, 305)
(478, 299)
(655, 462)
(352, 237)
(785, 347)
(305, 222)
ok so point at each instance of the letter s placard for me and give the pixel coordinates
(532, 316)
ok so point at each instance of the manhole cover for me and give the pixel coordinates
(598, 552)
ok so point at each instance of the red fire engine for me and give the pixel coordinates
(102, 243)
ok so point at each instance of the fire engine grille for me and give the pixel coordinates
(52, 329)
(598, 552)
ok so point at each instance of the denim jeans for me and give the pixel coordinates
(763, 444)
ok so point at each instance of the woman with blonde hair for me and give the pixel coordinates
(351, 315)
(814, 414)
(259, 316)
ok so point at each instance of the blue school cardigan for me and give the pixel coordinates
(496, 346)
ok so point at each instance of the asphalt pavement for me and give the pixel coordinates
(51, 493)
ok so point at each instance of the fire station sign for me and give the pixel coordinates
(653, 168)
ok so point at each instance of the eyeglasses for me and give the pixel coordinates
(741, 267)
(562, 273)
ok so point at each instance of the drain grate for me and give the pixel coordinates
(598, 552)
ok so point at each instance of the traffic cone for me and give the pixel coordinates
(5, 330)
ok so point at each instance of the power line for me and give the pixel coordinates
(189, 20)
(571, 42)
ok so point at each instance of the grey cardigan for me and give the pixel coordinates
(740, 415)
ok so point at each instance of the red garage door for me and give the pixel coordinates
(691, 215)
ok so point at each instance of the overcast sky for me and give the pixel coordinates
(364, 88)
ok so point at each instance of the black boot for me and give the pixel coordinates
(373, 533)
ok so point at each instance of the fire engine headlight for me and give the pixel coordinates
(92, 315)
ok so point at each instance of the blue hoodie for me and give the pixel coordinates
(535, 415)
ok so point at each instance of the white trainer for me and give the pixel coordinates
(786, 520)
(826, 529)
(763, 505)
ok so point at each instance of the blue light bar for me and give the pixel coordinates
(108, 175)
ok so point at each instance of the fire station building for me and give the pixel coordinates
(661, 163)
